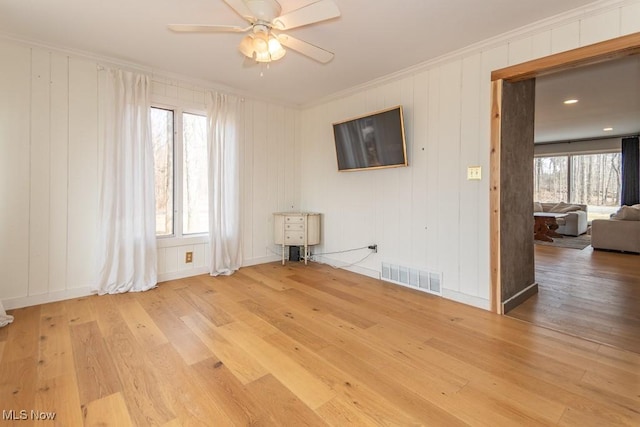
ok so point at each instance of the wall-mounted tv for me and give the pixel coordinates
(372, 141)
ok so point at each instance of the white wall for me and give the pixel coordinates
(49, 184)
(428, 215)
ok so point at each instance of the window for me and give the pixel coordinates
(195, 201)
(162, 136)
(550, 179)
(181, 135)
(588, 179)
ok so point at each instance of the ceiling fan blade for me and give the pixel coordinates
(179, 28)
(240, 7)
(307, 49)
(312, 13)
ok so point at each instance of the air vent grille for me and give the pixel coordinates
(424, 280)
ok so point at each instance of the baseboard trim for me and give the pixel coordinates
(21, 302)
(519, 298)
(466, 299)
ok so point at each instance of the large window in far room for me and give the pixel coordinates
(589, 179)
(180, 155)
(550, 179)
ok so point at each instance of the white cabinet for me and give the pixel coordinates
(296, 229)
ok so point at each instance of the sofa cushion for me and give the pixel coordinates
(537, 207)
(563, 207)
(628, 213)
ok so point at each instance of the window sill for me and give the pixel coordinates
(167, 242)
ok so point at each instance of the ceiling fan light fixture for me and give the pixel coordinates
(260, 42)
(276, 51)
(246, 46)
(263, 57)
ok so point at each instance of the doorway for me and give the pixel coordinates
(508, 289)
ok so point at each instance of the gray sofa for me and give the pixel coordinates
(620, 233)
(574, 224)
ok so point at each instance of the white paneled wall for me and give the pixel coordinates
(428, 215)
(49, 184)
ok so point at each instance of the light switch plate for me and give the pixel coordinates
(474, 173)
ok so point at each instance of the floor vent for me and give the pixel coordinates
(424, 280)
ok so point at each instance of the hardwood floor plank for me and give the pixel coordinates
(336, 413)
(183, 340)
(110, 410)
(59, 395)
(18, 384)
(352, 393)
(231, 395)
(139, 380)
(95, 368)
(142, 325)
(283, 406)
(81, 308)
(24, 335)
(243, 365)
(303, 383)
(407, 400)
(186, 390)
(55, 358)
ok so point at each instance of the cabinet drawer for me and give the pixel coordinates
(294, 219)
(293, 237)
(294, 227)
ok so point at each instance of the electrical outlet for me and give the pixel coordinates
(188, 257)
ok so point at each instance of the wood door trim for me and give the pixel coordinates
(587, 55)
(494, 195)
(599, 52)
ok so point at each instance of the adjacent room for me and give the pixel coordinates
(584, 118)
(297, 212)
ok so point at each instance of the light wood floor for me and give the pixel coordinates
(298, 345)
(587, 293)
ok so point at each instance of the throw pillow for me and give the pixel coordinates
(563, 207)
(537, 207)
(628, 213)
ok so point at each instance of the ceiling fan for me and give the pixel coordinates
(266, 28)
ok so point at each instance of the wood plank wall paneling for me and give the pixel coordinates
(15, 86)
(59, 173)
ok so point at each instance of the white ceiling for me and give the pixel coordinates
(371, 39)
(608, 95)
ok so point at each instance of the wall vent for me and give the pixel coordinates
(424, 280)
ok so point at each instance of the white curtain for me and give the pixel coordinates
(126, 241)
(5, 319)
(224, 121)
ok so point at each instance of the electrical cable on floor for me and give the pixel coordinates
(342, 252)
(346, 265)
(311, 256)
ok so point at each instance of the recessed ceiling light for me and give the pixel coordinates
(607, 129)
(570, 101)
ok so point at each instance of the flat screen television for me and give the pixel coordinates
(372, 141)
